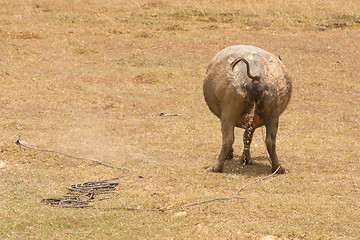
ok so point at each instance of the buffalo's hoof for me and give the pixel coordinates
(246, 160)
(279, 170)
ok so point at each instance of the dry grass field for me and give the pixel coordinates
(90, 77)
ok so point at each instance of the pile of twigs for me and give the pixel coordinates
(81, 195)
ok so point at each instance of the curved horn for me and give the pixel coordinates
(240, 59)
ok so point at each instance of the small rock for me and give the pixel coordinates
(180, 214)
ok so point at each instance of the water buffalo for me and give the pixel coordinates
(247, 87)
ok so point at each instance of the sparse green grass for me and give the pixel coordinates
(91, 77)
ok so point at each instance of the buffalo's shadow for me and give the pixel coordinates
(261, 166)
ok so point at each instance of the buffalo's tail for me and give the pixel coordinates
(255, 90)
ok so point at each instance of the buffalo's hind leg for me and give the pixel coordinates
(248, 135)
(227, 129)
(271, 131)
